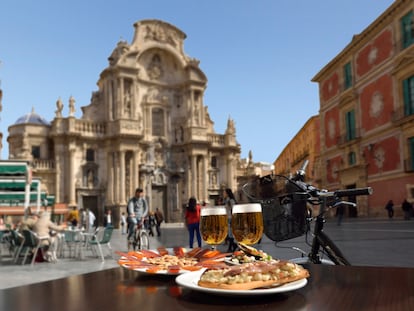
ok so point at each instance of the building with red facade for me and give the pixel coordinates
(367, 113)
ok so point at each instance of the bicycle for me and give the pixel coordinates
(140, 238)
(286, 214)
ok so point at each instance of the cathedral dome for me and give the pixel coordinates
(32, 118)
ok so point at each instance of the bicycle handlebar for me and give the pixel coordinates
(353, 192)
(273, 187)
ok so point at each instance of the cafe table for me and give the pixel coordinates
(328, 288)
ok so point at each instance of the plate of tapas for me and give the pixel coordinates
(254, 278)
(171, 261)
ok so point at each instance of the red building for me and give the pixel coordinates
(367, 112)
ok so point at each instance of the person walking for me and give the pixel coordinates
(390, 209)
(159, 218)
(229, 200)
(340, 210)
(192, 220)
(108, 219)
(123, 223)
(73, 216)
(407, 209)
(151, 224)
(137, 209)
(91, 221)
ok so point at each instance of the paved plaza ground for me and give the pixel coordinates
(365, 242)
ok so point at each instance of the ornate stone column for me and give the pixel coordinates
(121, 179)
(110, 170)
(193, 181)
(72, 197)
(135, 173)
(205, 178)
(58, 175)
(116, 177)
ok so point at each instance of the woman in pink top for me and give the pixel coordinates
(192, 220)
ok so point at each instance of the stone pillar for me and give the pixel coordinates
(116, 177)
(110, 181)
(135, 173)
(58, 198)
(121, 97)
(205, 178)
(121, 179)
(193, 179)
(230, 175)
(72, 197)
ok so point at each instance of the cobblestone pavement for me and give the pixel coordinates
(365, 242)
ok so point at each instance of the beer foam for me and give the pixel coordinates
(247, 208)
(213, 210)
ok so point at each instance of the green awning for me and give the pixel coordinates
(50, 200)
(18, 197)
(15, 185)
(13, 168)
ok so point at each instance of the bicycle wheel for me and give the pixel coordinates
(144, 240)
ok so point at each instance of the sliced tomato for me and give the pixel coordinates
(210, 253)
(193, 252)
(153, 269)
(150, 254)
(162, 251)
(179, 251)
(174, 269)
(191, 268)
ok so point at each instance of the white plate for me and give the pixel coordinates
(190, 280)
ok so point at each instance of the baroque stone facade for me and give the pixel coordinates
(146, 126)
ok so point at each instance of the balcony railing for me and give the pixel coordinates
(90, 127)
(216, 140)
(43, 165)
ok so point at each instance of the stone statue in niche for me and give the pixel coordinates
(196, 114)
(214, 179)
(127, 102)
(90, 178)
(151, 155)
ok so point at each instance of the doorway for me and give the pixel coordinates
(91, 202)
(159, 200)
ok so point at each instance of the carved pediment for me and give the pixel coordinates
(404, 59)
(347, 97)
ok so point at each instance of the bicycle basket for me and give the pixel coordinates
(283, 206)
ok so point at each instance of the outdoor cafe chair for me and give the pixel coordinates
(105, 239)
(72, 240)
(31, 243)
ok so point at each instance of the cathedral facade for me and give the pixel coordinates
(146, 126)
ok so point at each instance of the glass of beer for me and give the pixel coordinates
(213, 224)
(247, 223)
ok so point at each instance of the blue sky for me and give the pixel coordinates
(259, 56)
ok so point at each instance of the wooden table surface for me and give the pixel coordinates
(329, 288)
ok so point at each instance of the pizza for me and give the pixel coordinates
(253, 275)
